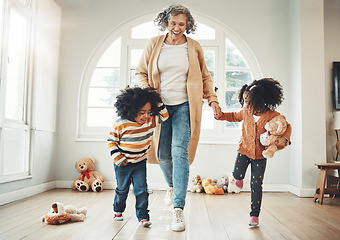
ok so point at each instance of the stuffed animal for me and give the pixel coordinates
(273, 138)
(60, 214)
(232, 187)
(210, 189)
(89, 179)
(197, 184)
(222, 183)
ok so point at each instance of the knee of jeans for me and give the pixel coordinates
(180, 151)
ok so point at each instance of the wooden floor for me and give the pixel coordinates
(283, 216)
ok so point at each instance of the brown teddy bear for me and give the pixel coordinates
(197, 184)
(273, 138)
(60, 214)
(89, 179)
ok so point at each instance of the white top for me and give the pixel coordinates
(173, 66)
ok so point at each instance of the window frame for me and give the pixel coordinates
(26, 10)
(216, 135)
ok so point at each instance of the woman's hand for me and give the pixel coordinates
(217, 110)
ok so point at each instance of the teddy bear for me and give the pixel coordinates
(273, 138)
(60, 214)
(197, 184)
(222, 183)
(210, 189)
(89, 179)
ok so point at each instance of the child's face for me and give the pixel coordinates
(144, 114)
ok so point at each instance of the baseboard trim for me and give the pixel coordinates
(30, 191)
(26, 192)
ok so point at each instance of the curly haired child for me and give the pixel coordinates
(259, 101)
(139, 111)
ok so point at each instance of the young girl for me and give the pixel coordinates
(259, 101)
(139, 111)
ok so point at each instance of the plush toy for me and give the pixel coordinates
(60, 214)
(89, 179)
(273, 139)
(210, 189)
(232, 187)
(197, 184)
(222, 183)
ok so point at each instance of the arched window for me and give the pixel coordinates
(112, 67)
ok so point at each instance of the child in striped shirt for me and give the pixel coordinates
(139, 111)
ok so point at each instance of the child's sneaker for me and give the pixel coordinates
(118, 216)
(145, 223)
(234, 186)
(169, 196)
(254, 221)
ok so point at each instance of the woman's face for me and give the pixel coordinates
(177, 25)
(144, 114)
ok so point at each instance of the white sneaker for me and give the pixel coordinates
(178, 223)
(169, 196)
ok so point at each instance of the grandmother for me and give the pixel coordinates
(174, 65)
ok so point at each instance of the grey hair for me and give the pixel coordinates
(162, 19)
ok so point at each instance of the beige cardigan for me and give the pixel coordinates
(199, 86)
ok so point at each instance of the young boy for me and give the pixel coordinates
(129, 141)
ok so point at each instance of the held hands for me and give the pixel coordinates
(217, 110)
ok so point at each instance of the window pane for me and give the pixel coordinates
(100, 117)
(103, 97)
(209, 56)
(145, 31)
(203, 32)
(111, 58)
(232, 125)
(105, 77)
(207, 119)
(135, 57)
(15, 85)
(237, 78)
(231, 99)
(14, 151)
(133, 80)
(233, 56)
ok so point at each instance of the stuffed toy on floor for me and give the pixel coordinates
(210, 189)
(222, 183)
(89, 178)
(197, 184)
(60, 214)
(273, 138)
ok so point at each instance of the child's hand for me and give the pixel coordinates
(124, 163)
(217, 110)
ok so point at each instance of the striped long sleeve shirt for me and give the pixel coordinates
(131, 141)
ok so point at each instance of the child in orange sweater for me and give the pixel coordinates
(259, 101)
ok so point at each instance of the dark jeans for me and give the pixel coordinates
(258, 168)
(134, 173)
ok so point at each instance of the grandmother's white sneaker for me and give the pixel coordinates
(178, 223)
(169, 196)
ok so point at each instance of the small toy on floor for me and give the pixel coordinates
(233, 187)
(60, 214)
(197, 184)
(210, 189)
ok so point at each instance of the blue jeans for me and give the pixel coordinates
(173, 151)
(134, 173)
